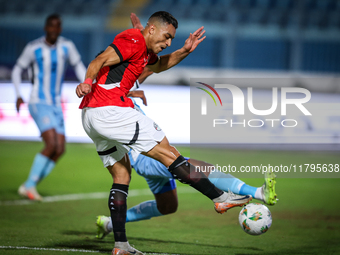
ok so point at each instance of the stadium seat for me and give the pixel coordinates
(334, 20)
(225, 3)
(258, 16)
(315, 19)
(265, 4)
(179, 11)
(44, 8)
(308, 5)
(204, 3)
(285, 4)
(197, 12)
(11, 8)
(155, 6)
(319, 4)
(217, 14)
(243, 17)
(323, 4)
(277, 18)
(185, 2)
(244, 4)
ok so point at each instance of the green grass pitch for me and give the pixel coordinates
(306, 219)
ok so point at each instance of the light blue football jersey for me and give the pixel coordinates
(46, 65)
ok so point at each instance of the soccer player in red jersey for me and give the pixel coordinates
(110, 120)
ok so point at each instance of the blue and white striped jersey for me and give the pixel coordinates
(46, 65)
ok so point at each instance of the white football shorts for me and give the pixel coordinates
(115, 130)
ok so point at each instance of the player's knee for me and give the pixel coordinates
(60, 150)
(50, 148)
(168, 208)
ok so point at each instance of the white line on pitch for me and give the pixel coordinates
(67, 250)
(45, 249)
(83, 196)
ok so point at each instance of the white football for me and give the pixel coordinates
(255, 219)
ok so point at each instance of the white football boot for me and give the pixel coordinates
(232, 200)
(30, 193)
(124, 248)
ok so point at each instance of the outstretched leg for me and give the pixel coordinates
(223, 181)
(185, 173)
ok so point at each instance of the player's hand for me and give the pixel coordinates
(18, 103)
(194, 40)
(83, 89)
(135, 21)
(140, 94)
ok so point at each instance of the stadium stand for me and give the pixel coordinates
(286, 35)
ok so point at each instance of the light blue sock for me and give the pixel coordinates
(143, 211)
(39, 164)
(249, 190)
(227, 182)
(48, 169)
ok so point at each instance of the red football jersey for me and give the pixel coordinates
(114, 82)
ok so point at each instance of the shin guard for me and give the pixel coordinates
(117, 206)
(188, 174)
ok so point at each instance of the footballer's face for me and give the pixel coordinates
(53, 30)
(161, 36)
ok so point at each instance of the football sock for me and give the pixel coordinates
(143, 211)
(48, 169)
(117, 206)
(185, 173)
(39, 164)
(247, 190)
(259, 194)
(227, 182)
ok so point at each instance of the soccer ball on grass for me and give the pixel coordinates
(255, 219)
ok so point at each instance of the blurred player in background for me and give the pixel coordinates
(110, 120)
(46, 60)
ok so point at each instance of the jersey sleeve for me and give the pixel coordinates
(26, 57)
(153, 58)
(74, 56)
(126, 46)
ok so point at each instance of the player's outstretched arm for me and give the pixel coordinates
(145, 74)
(194, 40)
(135, 21)
(140, 94)
(167, 61)
(108, 58)
(137, 24)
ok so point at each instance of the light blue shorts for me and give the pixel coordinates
(48, 117)
(155, 173)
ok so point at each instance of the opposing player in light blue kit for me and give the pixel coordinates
(46, 59)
